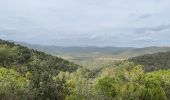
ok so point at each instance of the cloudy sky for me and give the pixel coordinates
(136, 23)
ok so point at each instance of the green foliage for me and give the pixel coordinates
(153, 62)
(32, 75)
(134, 84)
(158, 81)
(38, 68)
(107, 87)
(12, 84)
(123, 81)
(97, 57)
(21, 57)
(80, 85)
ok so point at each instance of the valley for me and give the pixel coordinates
(26, 73)
(84, 50)
(95, 57)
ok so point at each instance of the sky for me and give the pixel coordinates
(123, 23)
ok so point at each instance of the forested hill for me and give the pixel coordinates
(95, 57)
(155, 61)
(27, 74)
(12, 55)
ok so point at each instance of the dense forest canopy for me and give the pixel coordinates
(27, 74)
(155, 61)
(19, 56)
(41, 67)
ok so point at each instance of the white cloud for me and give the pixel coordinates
(145, 39)
(91, 22)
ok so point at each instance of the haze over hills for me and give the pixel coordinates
(84, 50)
(31, 74)
(95, 57)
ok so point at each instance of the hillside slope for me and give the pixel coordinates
(155, 61)
(17, 55)
(117, 52)
(96, 57)
(27, 74)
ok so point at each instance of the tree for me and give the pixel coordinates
(13, 86)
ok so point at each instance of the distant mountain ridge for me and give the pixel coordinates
(56, 49)
(95, 57)
(127, 51)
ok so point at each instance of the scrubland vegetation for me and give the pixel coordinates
(95, 58)
(27, 74)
